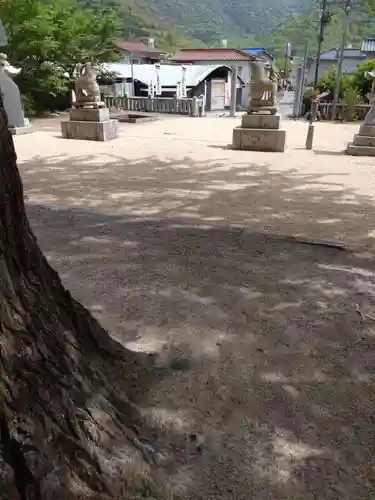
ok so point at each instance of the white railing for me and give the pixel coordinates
(190, 106)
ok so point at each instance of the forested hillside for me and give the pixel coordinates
(175, 23)
(138, 22)
(208, 21)
(303, 29)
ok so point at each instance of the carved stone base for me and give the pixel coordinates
(89, 114)
(27, 129)
(90, 124)
(259, 132)
(272, 110)
(89, 104)
(90, 131)
(252, 139)
(262, 106)
(259, 120)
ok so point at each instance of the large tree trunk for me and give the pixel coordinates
(67, 426)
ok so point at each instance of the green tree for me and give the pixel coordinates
(280, 64)
(48, 40)
(304, 28)
(328, 82)
(360, 79)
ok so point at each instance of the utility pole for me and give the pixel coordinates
(287, 54)
(324, 18)
(347, 8)
(233, 91)
(304, 70)
(130, 36)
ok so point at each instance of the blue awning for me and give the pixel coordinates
(258, 51)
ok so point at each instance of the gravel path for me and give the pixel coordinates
(181, 167)
(266, 344)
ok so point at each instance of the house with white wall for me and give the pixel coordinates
(208, 80)
(219, 88)
(137, 52)
(329, 58)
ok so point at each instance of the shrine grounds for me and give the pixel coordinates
(251, 277)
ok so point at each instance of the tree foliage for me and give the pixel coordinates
(282, 65)
(48, 40)
(360, 79)
(328, 82)
(303, 29)
(357, 83)
(210, 21)
(137, 22)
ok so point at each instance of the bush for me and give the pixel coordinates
(328, 82)
(351, 99)
(357, 83)
(361, 82)
(28, 104)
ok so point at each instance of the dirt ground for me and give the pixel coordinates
(267, 344)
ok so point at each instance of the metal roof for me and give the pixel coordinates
(169, 74)
(221, 54)
(333, 54)
(368, 45)
(254, 50)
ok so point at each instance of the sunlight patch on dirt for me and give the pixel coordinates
(168, 419)
(277, 460)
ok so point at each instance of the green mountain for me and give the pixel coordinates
(175, 23)
(208, 21)
(304, 28)
(138, 22)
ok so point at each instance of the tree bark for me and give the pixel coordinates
(66, 420)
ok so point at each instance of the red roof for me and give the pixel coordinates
(138, 47)
(190, 55)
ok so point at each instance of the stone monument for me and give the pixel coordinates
(89, 118)
(260, 128)
(17, 122)
(364, 142)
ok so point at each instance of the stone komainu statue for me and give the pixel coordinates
(260, 85)
(87, 89)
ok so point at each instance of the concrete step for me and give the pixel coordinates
(363, 140)
(367, 130)
(360, 150)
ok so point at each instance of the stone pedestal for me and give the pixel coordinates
(25, 129)
(260, 132)
(17, 123)
(90, 124)
(364, 142)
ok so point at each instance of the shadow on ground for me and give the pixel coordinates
(214, 192)
(267, 345)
